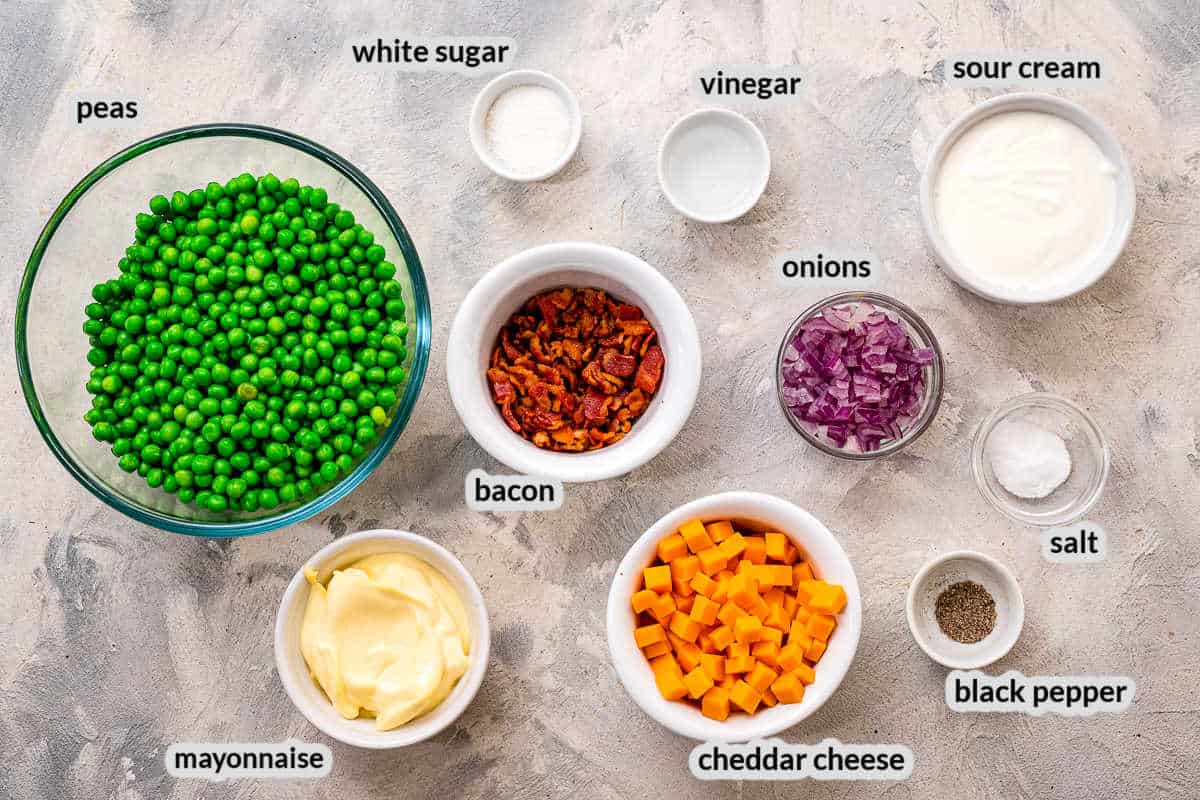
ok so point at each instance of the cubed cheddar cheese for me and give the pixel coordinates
(682, 587)
(644, 600)
(776, 545)
(776, 575)
(730, 613)
(687, 653)
(684, 604)
(773, 635)
(747, 630)
(719, 531)
(744, 566)
(828, 599)
(801, 572)
(728, 681)
(761, 677)
(657, 579)
(712, 561)
(805, 673)
(769, 699)
(796, 633)
(671, 548)
(778, 619)
(788, 688)
(715, 704)
(743, 590)
(704, 610)
(790, 656)
(664, 608)
(649, 634)
(766, 652)
(668, 677)
(802, 614)
(819, 626)
(657, 649)
(756, 550)
(760, 609)
(695, 535)
(702, 584)
(697, 682)
(815, 650)
(721, 636)
(714, 665)
(684, 568)
(721, 593)
(684, 627)
(743, 696)
(791, 555)
(805, 590)
(733, 546)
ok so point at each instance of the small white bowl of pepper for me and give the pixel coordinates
(965, 609)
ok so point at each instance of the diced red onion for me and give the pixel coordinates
(858, 378)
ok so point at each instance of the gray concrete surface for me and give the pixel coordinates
(118, 640)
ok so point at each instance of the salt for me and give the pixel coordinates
(528, 128)
(1027, 460)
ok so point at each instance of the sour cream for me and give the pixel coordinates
(387, 638)
(1025, 200)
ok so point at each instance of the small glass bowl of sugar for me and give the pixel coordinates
(1040, 459)
(525, 125)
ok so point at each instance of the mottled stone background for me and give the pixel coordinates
(118, 640)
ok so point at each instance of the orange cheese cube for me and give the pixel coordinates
(788, 688)
(777, 619)
(774, 596)
(769, 699)
(737, 650)
(815, 650)
(712, 561)
(697, 683)
(805, 590)
(713, 664)
(684, 627)
(743, 590)
(760, 609)
(766, 652)
(721, 637)
(747, 629)
(761, 677)
(715, 704)
(702, 584)
(682, 588)
(745, 697)
(664, 608)
(777, 575)
(733, 546)
(721, 593)
(791, 555)
(658, 579)
(776, 545)
(684, 604)
(790, 657)
(831, 599)
(756, 550)
(684, 568)
(644, 600)
(649, 634)
(773, 635)
(801, 572)
(805, 673)
(687, 653)
(819, 626)
(671, 548)
(790, 604)
(728, 681)
(668, 677)
(802, 614)
(740, 664)
(704, 610)
(744, 566)
(719, 531)
(695, 535)
(657, 649)
(796, 634)
(730, 613)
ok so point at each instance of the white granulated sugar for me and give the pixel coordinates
(1027, 460)
(528, 128)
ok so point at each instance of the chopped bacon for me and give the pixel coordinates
(595, 405)
(650, 371)
(626, 311)
(503, 392)
(618, 364)
(506, 411)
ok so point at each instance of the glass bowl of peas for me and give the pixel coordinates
(222, 330)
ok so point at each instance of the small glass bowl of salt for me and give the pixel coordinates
(1040, 459)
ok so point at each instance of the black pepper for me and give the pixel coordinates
(966, 612)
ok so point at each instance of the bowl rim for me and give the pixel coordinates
(459, 698)
(762, 150)
(1017, 611)
(631, 666)
(998, 501)
(659, 295)
(421, 342)
(936, 370)
(476, 122)
(1074, 113)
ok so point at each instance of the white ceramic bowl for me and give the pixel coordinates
(738, 189)
(477, 124)
(945, 571)
(759, 512)
(1109, 146)
(307, 695)
(505, 288)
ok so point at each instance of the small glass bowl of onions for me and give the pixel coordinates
(859, 375)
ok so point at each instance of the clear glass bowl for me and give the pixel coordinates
(80, 246)
(923, 338)
(1085, 444)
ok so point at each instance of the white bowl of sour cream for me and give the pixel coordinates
(1027, 198)
(389, 622)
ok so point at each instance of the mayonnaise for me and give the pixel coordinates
(1025, 199)
(386, 638)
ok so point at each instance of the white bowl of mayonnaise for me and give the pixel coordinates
(382, 639)
(1027, 198)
